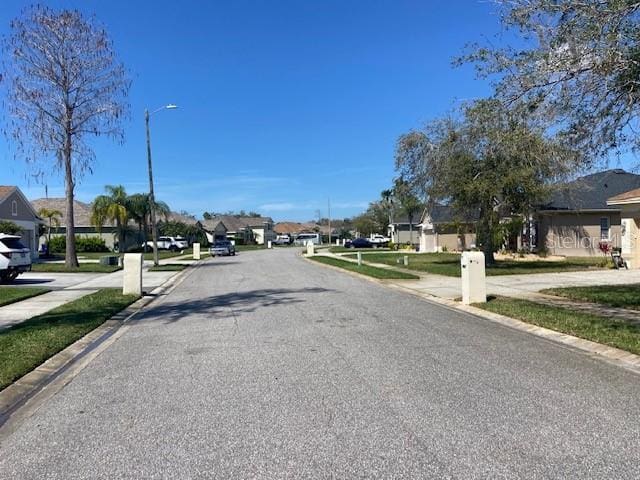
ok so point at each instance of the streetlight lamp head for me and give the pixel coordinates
(171, 106)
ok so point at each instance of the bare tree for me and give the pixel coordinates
(64, 84)
(577, 63)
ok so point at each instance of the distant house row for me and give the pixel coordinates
(15, 207)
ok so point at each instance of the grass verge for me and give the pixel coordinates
(83, 268)
(25, 346)
(621, 296)
(449, 264)
(604, 330)
(15, 294)
(169, 267)
(374, 272)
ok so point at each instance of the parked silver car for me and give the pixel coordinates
(222, 248)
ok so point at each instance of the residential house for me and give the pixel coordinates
(441, 230)
(401, 232)
(629, 205)
(245, 230)
(214, 229)
(82, 222)
(14, 207)
(584, 213)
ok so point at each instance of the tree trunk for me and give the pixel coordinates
(411, 229)
(486, 232)
(71, 258)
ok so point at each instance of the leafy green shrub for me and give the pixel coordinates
(392, 246)
(9, 228)
(83, 244)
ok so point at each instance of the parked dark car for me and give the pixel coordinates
(361, 243)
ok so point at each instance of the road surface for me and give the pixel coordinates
(266, 366)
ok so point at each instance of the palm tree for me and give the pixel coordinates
(111, 208)
(54, 217)
(410, 204)
(138, 206)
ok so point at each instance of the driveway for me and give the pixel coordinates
(267, 366)
(523, 285)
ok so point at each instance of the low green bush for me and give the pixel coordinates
(83, 244)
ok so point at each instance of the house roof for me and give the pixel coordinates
(178, 217)
(293, 227)
(399, 219)
(235, 224)
(5, 191)
(591, 192)
(81, 210)
(439, 214)
(632, 196)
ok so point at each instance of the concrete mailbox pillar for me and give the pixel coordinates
(268, 243)
(406, 260)
(310, 249)
(359, 258)
(196, 251)
(132, 274)
(474, 284)
(337, 242)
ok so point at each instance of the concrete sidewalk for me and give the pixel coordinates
(75, 285)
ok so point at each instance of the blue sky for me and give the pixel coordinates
(283, 104)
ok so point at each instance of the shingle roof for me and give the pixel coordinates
(630, 195)
(5, 191)
(235, 224)
(447, 214)
(81, 211)
(592, 191)
(293, 227)
(178, 217)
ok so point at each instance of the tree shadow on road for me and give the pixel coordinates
(229, 304)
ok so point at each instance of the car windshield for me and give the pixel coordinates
(13, 243)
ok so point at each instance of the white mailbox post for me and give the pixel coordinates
(474, 285)
(132, 274)
(196, 251)
(359, 259)
(268, 243)
(310, 250)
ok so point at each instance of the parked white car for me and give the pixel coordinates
(15, 258)
(378, 240)
(169, 243)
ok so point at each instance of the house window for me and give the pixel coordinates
(604, 228)
(14, 208)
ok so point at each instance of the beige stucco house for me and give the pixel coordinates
(243, 230)
(14, 207)
(629, 205)
(441, 230)
(579, 216)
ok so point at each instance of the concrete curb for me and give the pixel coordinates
(612, 355)
(22, 398)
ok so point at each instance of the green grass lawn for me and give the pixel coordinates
(605, 330)
(449, 263)
(170, 267)
(83, 268)
(15, 294)
(147, 256)
(623, 296)
(336, 249)
(25, 346)
(374, 272)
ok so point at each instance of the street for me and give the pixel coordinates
(264, 365)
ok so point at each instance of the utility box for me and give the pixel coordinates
(196, 251)
(132, 274)
(474, 283)
(310, 248)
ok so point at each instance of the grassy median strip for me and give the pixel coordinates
(374, 272)
(25, 346)
(606, 330)
(15, 294)
(621, 296)
(449, 263)
(83, 268)
(169, 267)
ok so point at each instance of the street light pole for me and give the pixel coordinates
(152, 200)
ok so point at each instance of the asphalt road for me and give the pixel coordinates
(265, 366)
